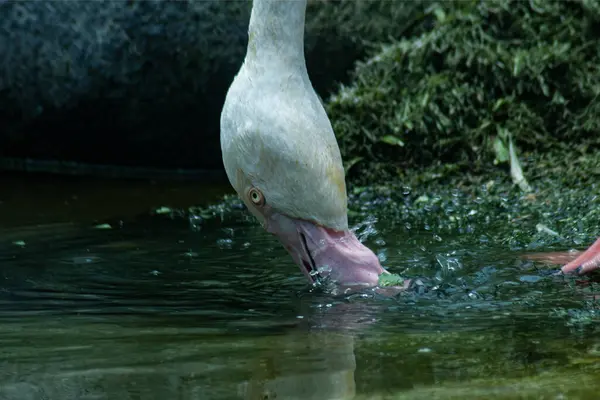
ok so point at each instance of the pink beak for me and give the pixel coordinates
(586, 262)
(575, 262)
(324, 253)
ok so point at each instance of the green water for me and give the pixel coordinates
(171, 307)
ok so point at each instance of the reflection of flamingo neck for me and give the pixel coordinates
(303, 365)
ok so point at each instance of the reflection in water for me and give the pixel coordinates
(29, 199)
(77, 358)
(304, 366)
(152, 309)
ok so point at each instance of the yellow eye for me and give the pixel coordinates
(256, 197)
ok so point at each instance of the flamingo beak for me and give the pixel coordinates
(323, 253)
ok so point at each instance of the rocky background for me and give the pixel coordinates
(142, 83)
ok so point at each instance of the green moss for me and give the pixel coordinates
(469, 75)
(390, 280)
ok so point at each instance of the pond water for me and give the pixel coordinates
(101, 299)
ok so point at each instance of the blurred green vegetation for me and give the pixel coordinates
(467, 76)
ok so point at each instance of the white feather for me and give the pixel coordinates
(274, 129)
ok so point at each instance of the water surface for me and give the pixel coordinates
(152, 306)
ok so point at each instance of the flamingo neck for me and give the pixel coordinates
(276, 33)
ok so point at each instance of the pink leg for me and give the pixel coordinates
(587, 262)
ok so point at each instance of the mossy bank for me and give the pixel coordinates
(467, 77)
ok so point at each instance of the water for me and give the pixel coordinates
(153, 309)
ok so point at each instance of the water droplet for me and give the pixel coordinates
(324, 268)
(228, 231)
(85, 260)
(195, 222)
(103, 226)
(530, 278)
(225, 243)
(448, 264)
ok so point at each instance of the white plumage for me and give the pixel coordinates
(275, 133)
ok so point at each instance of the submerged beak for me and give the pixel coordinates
(325, 253)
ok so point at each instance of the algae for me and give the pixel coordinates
(390, 280)
(467, 77)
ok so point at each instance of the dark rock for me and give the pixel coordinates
(142, 83)
(117, 82)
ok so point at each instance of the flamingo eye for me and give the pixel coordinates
(256, 197)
